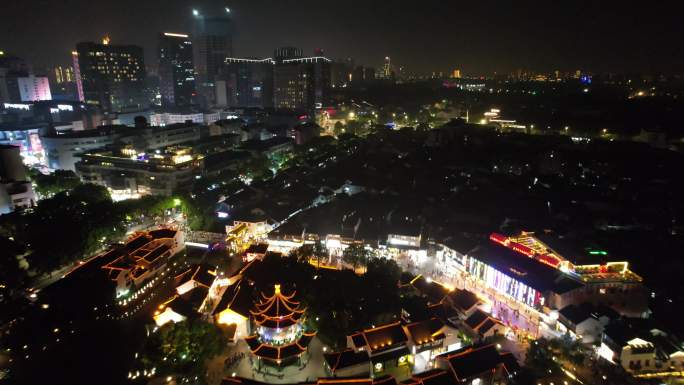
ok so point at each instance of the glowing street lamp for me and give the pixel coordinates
(195, 12)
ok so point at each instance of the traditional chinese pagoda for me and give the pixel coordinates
(280, 337)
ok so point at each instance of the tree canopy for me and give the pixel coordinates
(356, 255)
(183, 347)
(51, 184)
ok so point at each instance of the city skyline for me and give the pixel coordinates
(255, 192)
(478, 38)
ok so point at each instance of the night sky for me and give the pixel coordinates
(479, 37)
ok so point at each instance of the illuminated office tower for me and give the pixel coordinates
(212, 43)
(300, 83)
(176, 70)
(248, 82)
(110, 75)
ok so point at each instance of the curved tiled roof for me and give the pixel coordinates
(281, 352)
(277, 311)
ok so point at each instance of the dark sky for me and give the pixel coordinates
(479, 37)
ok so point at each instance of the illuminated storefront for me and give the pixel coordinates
(504, 284)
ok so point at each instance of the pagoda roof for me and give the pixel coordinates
(281, 352)
(277, 311)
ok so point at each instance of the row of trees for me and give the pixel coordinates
(356, 254)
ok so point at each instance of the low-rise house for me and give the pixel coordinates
(639, 347)
(181, 306)
(433, 291)
(445, 312)
(256, 251)
(464, 302)
(348, 363)
(232, 310)
(431, 377)
(479, 365)
(200, 275)
(384, 380)
(586, 322)
(386, 345)
(481, 325)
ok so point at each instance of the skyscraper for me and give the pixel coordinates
(112, 76)
(212, 43)
(387, 72)
(249, 82)
(62, 83)
(300, 83)
(176, 70)
(341, 72)
(11, 68)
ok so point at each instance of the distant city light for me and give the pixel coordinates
(227, 10)
(195, 12)
(175, 34)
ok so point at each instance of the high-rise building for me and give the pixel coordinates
(64, 74)
(62, 83)
(362, 75)
(301, 83)
(285, 53)
(456, 74)
(18, 85)
(33, 88)
(11, 68)
(176, 70)
(248, 83)
(112, 76)
(341, 72)
(386, 71)
(212, 43)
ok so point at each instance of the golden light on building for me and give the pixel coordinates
(229, 317)
(106, 40)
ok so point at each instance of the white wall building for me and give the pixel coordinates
(32, 88)
(166, 118)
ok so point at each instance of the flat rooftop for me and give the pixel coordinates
(531, 272)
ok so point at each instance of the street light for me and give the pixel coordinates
(195, 12)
